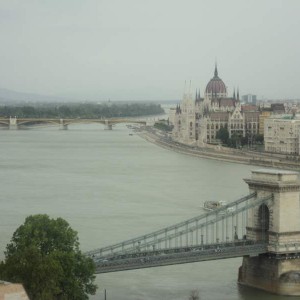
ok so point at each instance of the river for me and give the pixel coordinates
(111, 186)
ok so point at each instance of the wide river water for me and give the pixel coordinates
(111, 186)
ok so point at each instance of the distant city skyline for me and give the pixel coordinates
(140, 50)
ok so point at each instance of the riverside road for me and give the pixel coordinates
(243, 156)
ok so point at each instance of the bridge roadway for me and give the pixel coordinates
(181, 255)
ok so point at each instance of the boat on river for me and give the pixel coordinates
(213, 205)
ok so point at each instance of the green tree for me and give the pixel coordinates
(259, 138)
(223, 135)
(163, 126)
(86, 110)
(44, 256)
(234, 141)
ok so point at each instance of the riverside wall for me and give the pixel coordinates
(221, 153)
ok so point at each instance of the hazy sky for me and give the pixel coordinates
(146, 49)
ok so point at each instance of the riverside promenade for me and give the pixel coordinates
(217, 152)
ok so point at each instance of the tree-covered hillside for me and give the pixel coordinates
(81, 110)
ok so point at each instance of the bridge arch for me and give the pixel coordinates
(4, 123)
(264, 222)
(38, 121)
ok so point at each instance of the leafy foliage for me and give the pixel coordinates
(44, 255)
(163, 126)
(81, 110)
(238, 140)
(259, 138)
(223, 135)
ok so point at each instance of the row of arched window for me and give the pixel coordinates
(217, 126)
(232, 126)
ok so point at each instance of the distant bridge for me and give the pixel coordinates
(15, 123)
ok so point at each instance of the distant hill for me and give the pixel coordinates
(10, 97)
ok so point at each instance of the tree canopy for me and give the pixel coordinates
(82, 110)
(163, 126)
(223, 135)
(237, 140)
(44, 256)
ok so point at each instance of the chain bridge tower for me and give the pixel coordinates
(278, 223)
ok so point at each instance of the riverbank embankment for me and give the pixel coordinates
(244, 156)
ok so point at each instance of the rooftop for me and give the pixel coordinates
(12, 291)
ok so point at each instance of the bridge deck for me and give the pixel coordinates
(182, 255)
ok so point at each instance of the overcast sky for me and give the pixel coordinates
(146, 49)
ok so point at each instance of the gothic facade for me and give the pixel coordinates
(197, 120)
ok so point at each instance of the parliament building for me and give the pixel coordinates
(197, 120)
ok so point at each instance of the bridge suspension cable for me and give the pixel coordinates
(221, 225)
(196, 239)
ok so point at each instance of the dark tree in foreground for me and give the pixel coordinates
(44, 256)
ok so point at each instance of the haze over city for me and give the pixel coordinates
(150, 149)
(141, 50)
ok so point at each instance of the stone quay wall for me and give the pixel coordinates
(222, 153)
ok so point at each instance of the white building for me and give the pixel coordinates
(281, 135)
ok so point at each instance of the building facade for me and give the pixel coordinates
(197, 120)
(265, 114)
(281, 135)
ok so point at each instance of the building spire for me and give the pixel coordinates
(216, 70)
(184, 89)
(234, 93)
(238, 94)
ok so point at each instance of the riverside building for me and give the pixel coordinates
(197, 120)
(281, 135)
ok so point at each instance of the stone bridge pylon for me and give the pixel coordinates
(277, 271)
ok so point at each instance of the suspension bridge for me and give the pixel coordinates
(262, 227)
(213, 235)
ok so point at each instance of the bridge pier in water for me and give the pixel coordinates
(13, 124)
(62, 125)
(278, 223)
(108, 125)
